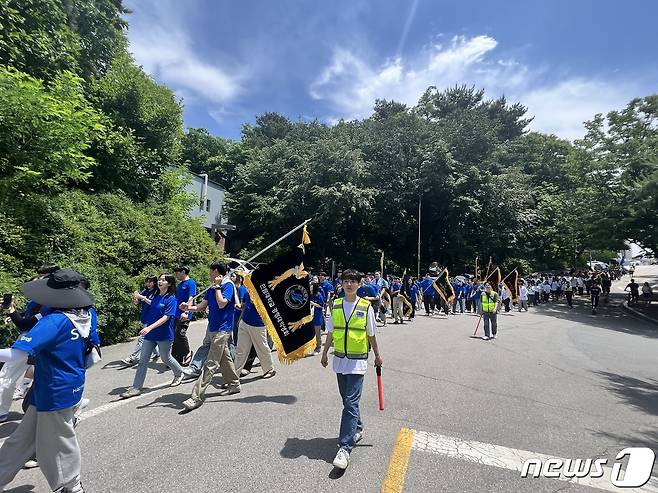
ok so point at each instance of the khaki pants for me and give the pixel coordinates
(398, 314)
(249, 335)
(49, 435)
(219, 358)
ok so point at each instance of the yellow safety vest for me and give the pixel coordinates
(350, 336)
(488, 303)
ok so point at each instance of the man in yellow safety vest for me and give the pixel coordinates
(490, 308)
(351, 331)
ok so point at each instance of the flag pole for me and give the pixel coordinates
(515, 269)
(253, 257)
(481, 314)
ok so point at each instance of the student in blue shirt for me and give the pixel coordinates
(318, 312)
(429, 294)
(158, 331)
(253, 336)
(220, 301)
(143, 298)
(241, 291)
(185, 290)
(58, 344)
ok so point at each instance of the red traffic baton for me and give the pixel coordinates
(380, 387)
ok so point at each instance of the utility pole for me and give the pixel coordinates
(419, 205)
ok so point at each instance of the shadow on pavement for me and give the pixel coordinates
(641, 394)
(25, 488)
(323, 449)
(8, 428)
(173, 401)
(254, 399)
(647, 438)
(610, 316)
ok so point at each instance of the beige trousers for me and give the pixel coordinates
(248, 335)
(219, 358)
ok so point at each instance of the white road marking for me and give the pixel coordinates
(507, 458)
(121, 402)
(115, 404)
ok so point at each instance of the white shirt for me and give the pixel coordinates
(348, 366)
(523, 293)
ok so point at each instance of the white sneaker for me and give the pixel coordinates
(31, 464)
(493, 337)
(131, 392)
(190, 404)
(84, 402)
(342, 459)
(19, 394)
(358, 436)
(176, 381)
(485, 338)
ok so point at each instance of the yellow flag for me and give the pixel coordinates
(306, 239)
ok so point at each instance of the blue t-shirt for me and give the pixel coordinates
(144, 306)
(366, 290)
(426, 286)
(317, 311)
(327, 288)
(221, 319)
(59, 355)
(184, 290)
(396, 287)
(250, 315)
(413, 292)
(242, 294)
(161, 306)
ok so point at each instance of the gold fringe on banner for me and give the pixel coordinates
(285, 358)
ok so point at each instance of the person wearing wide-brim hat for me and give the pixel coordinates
(58, 345)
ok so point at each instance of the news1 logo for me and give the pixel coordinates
(637, 472)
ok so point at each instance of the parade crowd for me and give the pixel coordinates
(46, 365)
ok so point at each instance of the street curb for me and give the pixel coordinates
(636, 313)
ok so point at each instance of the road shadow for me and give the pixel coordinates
(640, 394)
(610, 316)
(173, 401)
(256, 399)
(24, 488)
(642, 438)
(323, 449)
(9, 427)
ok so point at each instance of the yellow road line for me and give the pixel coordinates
(397, 466)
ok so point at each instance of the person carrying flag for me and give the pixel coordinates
(351, 333)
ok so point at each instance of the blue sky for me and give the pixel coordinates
(230, 61)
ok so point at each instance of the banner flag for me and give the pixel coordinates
(280, 291)
(512, 283)
(494, 278)
(443, 287)
(407, 309)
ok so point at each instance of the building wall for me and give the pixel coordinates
(211, 210)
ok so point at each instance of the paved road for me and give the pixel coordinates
(557, 382)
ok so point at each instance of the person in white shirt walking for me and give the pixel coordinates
(351, 332)
(523, 296)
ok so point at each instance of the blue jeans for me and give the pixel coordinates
(138, 349)
(201, 354)
(490, 318)
(145, 356)
(350, 387)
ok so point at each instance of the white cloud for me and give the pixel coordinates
(350, 85)
(561, 109)
(160, 42)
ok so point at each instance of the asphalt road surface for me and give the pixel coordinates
(461, 413)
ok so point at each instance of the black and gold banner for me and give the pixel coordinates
(494, 278)
(281, 293)
(512, 283)
(443, 287)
